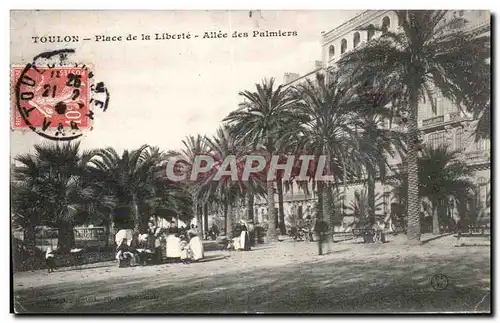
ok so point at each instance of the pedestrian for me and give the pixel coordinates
(50, 260)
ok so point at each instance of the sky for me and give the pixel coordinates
(163, 90)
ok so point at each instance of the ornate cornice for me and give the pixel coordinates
(352, 24)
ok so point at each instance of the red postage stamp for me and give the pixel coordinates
(52, 96)
(56, 97)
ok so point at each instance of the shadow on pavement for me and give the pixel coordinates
(437, 237)
(332, 285)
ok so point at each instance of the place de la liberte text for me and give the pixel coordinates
(164, 36)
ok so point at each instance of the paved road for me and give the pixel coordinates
(282, 277)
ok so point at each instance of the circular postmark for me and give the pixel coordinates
(55, 97)
(439, 281)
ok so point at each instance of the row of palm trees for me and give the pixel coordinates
(340, 115)
(60, 186)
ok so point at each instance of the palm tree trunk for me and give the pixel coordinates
(327, 213)
(271, 214)
(319, 209)
(462, 212)
(336, 217)
(371, 193)
(30, 242)
(229, 220)
(225, 218)
(205, 219)
(281, 212)
(250, 202)
(66, 236)
(326, 199)
(413, 208)
(435, 219)
(107, 232)
(136, 215)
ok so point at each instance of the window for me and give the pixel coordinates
(436, 139)
(439, 103)
(459, 139)
(343, 46)
(386, 24)
(449, 107)
(371, 32)
(331, 51)
(357, 39)
(482, 144)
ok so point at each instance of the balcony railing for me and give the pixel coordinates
(451, 117)
(431, 121)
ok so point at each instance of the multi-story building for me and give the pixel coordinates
(446, 125)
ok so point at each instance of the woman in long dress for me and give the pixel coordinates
(244, 238)
(196, 247)
(173, 247)
(237, 243)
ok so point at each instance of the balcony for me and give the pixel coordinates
(432, 121)
(442, 120)
(477, 157)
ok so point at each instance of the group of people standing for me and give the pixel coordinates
(243, 237)
(184, 245)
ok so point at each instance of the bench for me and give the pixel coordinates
(369, 235)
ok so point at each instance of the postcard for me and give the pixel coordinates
(250, 161)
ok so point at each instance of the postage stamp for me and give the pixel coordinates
(54, 97)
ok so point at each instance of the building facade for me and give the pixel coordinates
(447, 125)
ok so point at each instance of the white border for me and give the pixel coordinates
(186, 4)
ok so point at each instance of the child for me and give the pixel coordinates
(230, 245)
(185, 251)
(50, 260)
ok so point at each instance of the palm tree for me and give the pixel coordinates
(364, 213)
(428, 53)
(329, 130)
(377, 142)
(264, 115)
(194, 146)
(442, 175)
(58, 175)
(131, 176)
(221, 146)
(479, 99)
(27, 211)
